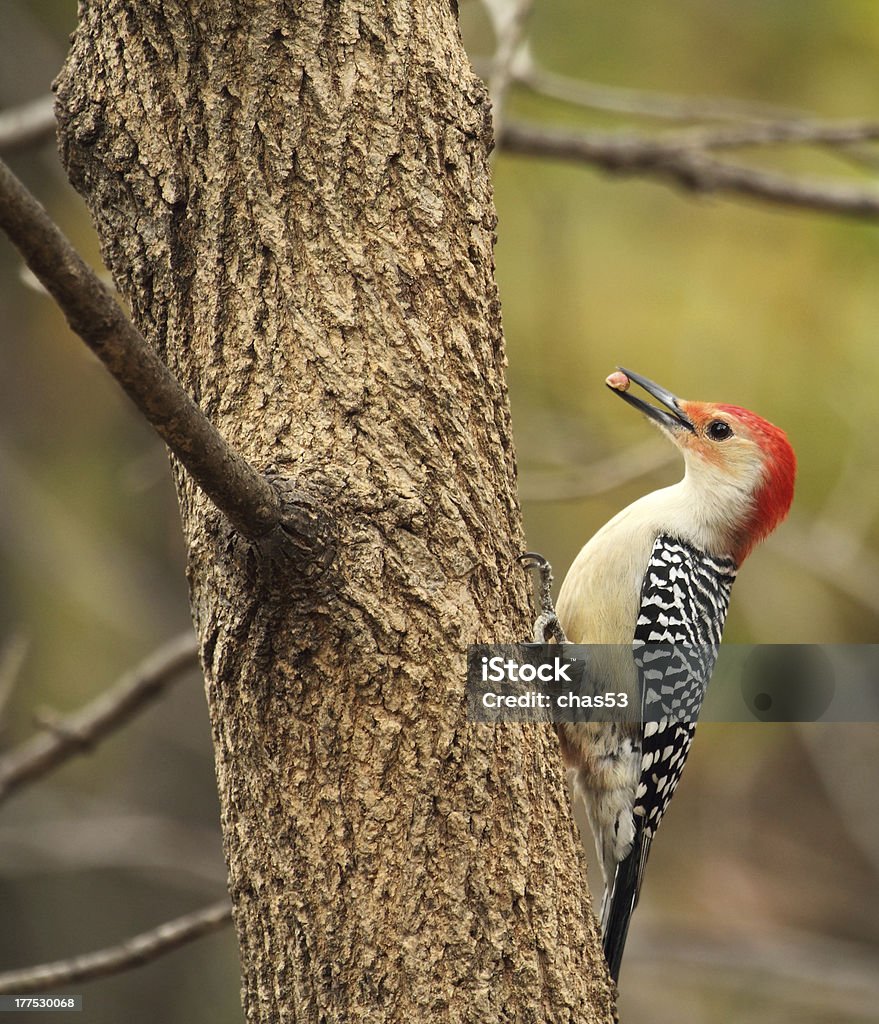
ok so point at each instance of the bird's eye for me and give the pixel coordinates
(719, 431)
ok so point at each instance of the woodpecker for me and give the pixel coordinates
(660, 572)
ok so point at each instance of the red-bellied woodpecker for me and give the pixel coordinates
(660, 572)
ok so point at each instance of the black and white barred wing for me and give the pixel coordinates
(684, 601)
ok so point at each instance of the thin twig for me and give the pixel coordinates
(751, 124)
(864, 158)
(98, 834)
(12, 657)
(822, 969)
(112, 709)
(234, 486)
(855, 576)
(816, 550)
(599, 477)
(28, 124)
(850, 502)
(773, 133)
(133, 952)
(644, 102)
(838, 756)
(689, 169)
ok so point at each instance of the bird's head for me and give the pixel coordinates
(742, 464)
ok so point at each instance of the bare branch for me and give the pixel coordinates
(81, 731)
(234, 486)
(28, 124)
(134, 952)
(689, 169)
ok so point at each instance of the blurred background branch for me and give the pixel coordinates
(793, 968)
(12, 654)
(687, 164)
(681, 158)
(133, 952)
(79, 732)
(643, 103)
(816, 548)
(508, 18)
(600, 476)
(82, 836)
(26, 125)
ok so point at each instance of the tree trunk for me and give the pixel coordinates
(294, 198)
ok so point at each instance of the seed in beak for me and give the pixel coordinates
(618, 381)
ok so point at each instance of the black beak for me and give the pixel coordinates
(674, 419)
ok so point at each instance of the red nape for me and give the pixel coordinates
(773, 500)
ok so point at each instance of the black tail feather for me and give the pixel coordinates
(620, 904)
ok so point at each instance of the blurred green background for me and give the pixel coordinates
(762, 899)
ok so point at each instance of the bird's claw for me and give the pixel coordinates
(546, 626)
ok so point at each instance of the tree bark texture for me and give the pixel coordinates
(294, 199)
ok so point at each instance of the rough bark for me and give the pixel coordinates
(294, 198)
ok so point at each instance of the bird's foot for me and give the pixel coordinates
(546, 626)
